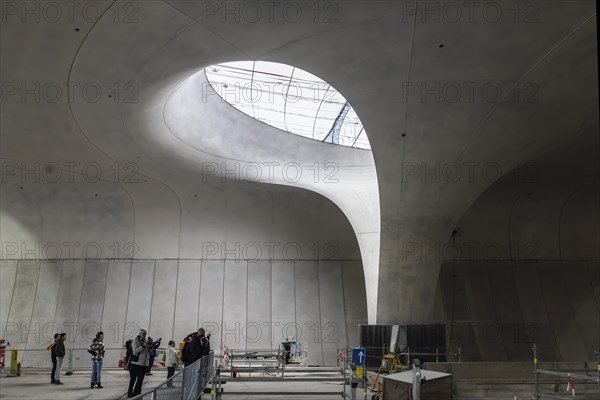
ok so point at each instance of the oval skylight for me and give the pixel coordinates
(290, 99)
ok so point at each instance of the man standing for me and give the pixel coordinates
(97, 351)
(200, 346)
(53, 357)
(59, 352)
(139, 362)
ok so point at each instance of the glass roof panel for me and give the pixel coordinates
(290, 99)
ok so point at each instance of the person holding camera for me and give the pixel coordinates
(154, 345)
(138, 362)
(199, 346)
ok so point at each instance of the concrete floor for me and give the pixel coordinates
(36, 385)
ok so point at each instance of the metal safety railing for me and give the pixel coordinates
(187, 384)
(284, 376)
(407, 356)
(571, 376)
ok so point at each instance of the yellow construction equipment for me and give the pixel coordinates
(395, 366)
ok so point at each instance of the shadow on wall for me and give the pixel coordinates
(523, 267)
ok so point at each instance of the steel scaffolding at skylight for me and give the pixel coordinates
(290, 99)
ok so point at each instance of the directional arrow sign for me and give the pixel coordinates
(358, 356)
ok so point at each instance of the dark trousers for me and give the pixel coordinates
(53, 369)
(136, 377)
(149, 367)
(170, 373)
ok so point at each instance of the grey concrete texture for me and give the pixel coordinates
(521, 266)
(370, 51)
(496, 310)
(244, 304)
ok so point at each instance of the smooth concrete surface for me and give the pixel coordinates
(495, 311)
(164, 299)
(259, 306)
(511, 278)
(187, 296)
(115, 315)
(308, 309)
(331, 304)
(36, 385)
(384, 204)
(244, 304)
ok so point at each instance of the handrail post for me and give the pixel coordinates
(535, 372)
(598, 366)
(344, 372)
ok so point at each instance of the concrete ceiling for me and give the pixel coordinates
(480, 95)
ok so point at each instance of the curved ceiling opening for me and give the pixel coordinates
(290, 99)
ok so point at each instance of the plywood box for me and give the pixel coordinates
(438, 386)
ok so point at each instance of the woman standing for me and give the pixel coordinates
(171, 361)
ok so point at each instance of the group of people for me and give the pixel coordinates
(57, 354)
(195, 346)
(139, 358)
(141, 352)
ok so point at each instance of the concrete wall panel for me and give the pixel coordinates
(560, 311)
(140, 297)
(163, 300)
(91, 308)
(308, 309)
(508, 312)
(44, 310)
(583, 302)
(594, 273)
(258, 330)
(333, 321)
(483, 314)
(355, 304)
(235, 297)
(8, 273)
(250, 304)
(115, 309)
(23, 298)
(283, 302)
(537, 328)
(211, 300)
(188, 295)
(69, 298)
(461, 332)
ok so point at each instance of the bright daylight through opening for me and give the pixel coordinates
(290, 99)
